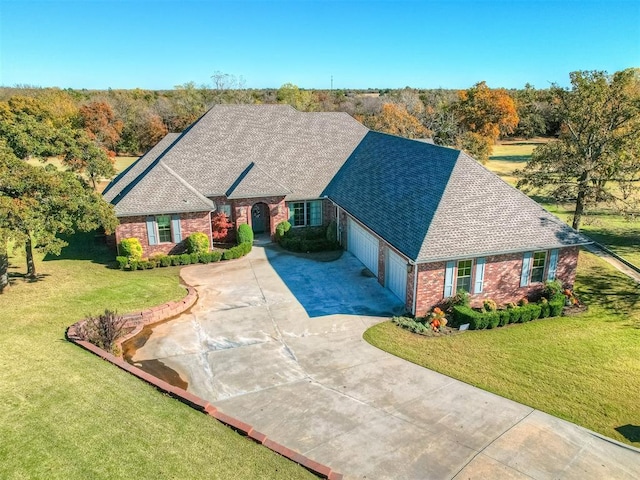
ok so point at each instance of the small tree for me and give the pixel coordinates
(197, 242)
(220, 226)
(103, 330)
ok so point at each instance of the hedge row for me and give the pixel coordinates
(479, 320)
(125, 263)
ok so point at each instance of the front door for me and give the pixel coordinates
(259, 217)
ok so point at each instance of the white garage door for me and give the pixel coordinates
(396, 275)
(363, 245)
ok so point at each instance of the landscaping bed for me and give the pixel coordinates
(582, 368)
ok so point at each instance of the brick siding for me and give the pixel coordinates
(137, 227)
(501, 280)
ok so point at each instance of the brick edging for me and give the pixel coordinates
(166, 311)
(138, 320)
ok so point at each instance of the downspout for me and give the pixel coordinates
(415, 286)
(210, 231)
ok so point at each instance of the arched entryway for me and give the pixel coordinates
(260, 218)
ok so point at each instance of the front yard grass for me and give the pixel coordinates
(64, 413)
(584, 369)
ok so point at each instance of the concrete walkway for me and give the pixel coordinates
(611, 260)
(307, 379)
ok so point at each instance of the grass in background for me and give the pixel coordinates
(120, 163)
(603, 224)
(583, 369)
(66, 414)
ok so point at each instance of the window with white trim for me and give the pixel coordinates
(226, 209)
(307, 213)
(538, 263)
(463, 277)
(163, 223)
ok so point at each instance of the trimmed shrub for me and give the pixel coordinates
(215, 256)
(165, 261)
(195, 257)
(515, 314)
(552, 288)
(536, 310)
(185, 259)
(281, 229)
(197, 242)
(204, 257)
(544, 308)
(492, 319)
(133, 265)
(525, 314)
(237, 251)
(463, 314)
(175, 260)
(245, 234)
(122, 262)
(131, 248)
(504, 317)
(556, 304)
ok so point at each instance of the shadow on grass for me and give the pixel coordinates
(610, 290)
(511, 158)
(85, 246)
(630, 432)
(615, 237)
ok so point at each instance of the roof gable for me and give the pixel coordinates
(394, 186)
(480, 214)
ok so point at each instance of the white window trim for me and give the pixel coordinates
(305, 212)
(544, 267)
(471, 275)
(155, 222)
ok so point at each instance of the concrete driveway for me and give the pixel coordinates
(276, 341)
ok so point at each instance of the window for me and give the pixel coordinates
(305, 213)
(164, 228)
(537, 266)
(226, 209)
(463, 279)
(314, 213)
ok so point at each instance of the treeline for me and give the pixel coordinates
(130, 122)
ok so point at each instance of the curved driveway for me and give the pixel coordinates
(276, 341)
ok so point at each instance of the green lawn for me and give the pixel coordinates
(120, 163)
(603, 224)
(64, 413)
(584, 369)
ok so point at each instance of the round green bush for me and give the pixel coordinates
(281, 229)
(245, 234)
(131, 248)
(197, 242)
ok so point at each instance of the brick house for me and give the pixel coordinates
(425, 219)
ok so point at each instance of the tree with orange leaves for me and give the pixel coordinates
(395, 119)
(488, 112)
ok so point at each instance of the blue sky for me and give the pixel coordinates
(379, 44)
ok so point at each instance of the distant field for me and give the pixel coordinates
(604, 225)
(120, 163)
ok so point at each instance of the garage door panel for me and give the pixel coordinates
(396, 274)
(363, 245)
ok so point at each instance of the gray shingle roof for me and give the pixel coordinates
(430, 202)
(138, 167)
(301, 150)
(164, 192)
(436, 203)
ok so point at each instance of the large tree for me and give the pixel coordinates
(487, 112)
(37, 204)
(396, 120)
(599, 143)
